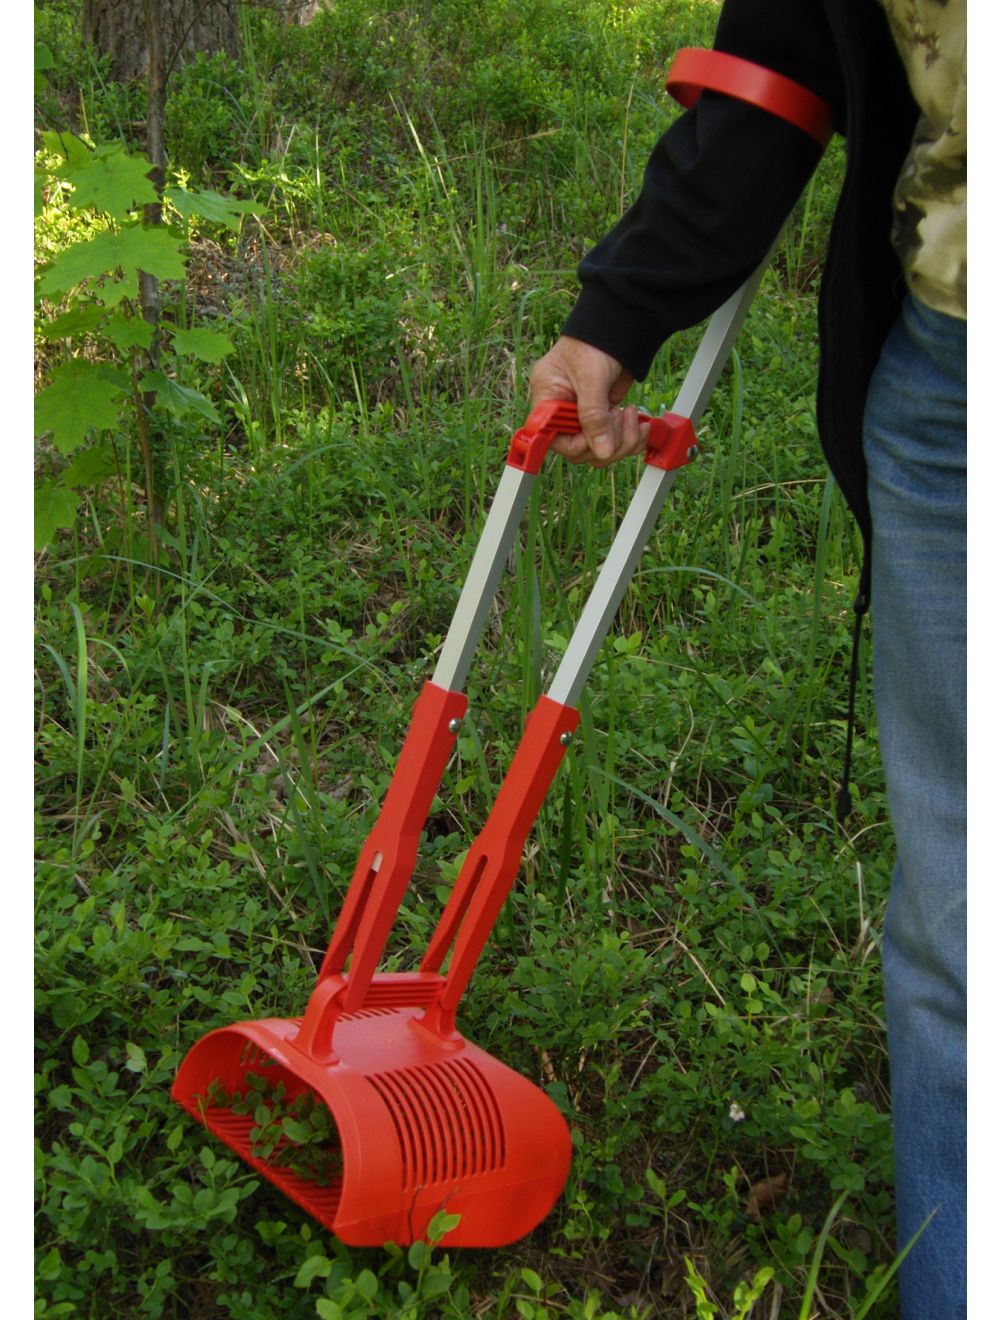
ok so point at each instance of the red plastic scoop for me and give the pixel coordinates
(422, 1119)
(426, 1121)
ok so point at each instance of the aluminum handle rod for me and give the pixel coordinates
(480, 587)
(713, 351)
(641, 515)
(613, 579)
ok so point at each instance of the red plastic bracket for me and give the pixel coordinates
(694, 70)
(494, 859)
(387, 859)
(672, 442)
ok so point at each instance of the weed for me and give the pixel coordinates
(296, 1133)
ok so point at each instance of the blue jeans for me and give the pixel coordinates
(915, 432)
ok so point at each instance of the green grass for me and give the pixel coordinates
(694, 936)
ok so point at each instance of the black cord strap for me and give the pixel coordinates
(861, 604)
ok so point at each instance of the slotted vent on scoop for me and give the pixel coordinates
(447, 1120)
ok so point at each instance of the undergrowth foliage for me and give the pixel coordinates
(106, 365)
(372, 225)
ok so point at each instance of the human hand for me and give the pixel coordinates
(597, 383)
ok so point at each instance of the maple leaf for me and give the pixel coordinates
(206, 345)
(209, 206)
(73, 150)
(80, 318)
(80, 397)
(178, 399)
(90, 466)
(127, 332)
(132, 248)
(111, 180)
(55, 507)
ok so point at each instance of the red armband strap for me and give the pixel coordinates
(693, 71)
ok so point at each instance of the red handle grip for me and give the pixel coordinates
(671, 443)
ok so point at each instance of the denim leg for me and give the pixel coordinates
(915, 436)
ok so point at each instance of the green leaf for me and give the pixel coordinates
(297, 1131)
(178, 399)
(206, 345)
(111, 181)
(418, 1253)
(329, 1310)
(367, 1285)
(66, 1010)
(210, 206)
(50, 1265)
(441, 1224)
(80, 1050)
(313, 1267)
(80, 397)
(435, 1283)
(44, 59)
(90, 466)
(71, 149)
(127, 332)
(532, 1279)
(77, 321)
(135, 1060)
(133, 248)
(655, 1183)
(112, 292)
(61, 1098)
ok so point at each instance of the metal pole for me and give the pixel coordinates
(640, 517)
(483, 578)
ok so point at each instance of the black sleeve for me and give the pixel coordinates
(717, 188)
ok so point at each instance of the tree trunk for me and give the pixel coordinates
(297, 11)
(118, 28)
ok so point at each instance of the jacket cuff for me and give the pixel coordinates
(625, 333)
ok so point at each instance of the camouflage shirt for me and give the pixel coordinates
(930, 196)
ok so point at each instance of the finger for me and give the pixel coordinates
(600, 427)
(571, 447)
(634, 437)
(635, 434)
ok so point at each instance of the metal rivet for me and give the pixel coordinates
(565, 739)
(454, 725)
(692, 453)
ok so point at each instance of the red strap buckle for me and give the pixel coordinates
(694, 70)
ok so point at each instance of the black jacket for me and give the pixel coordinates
(722, 180)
